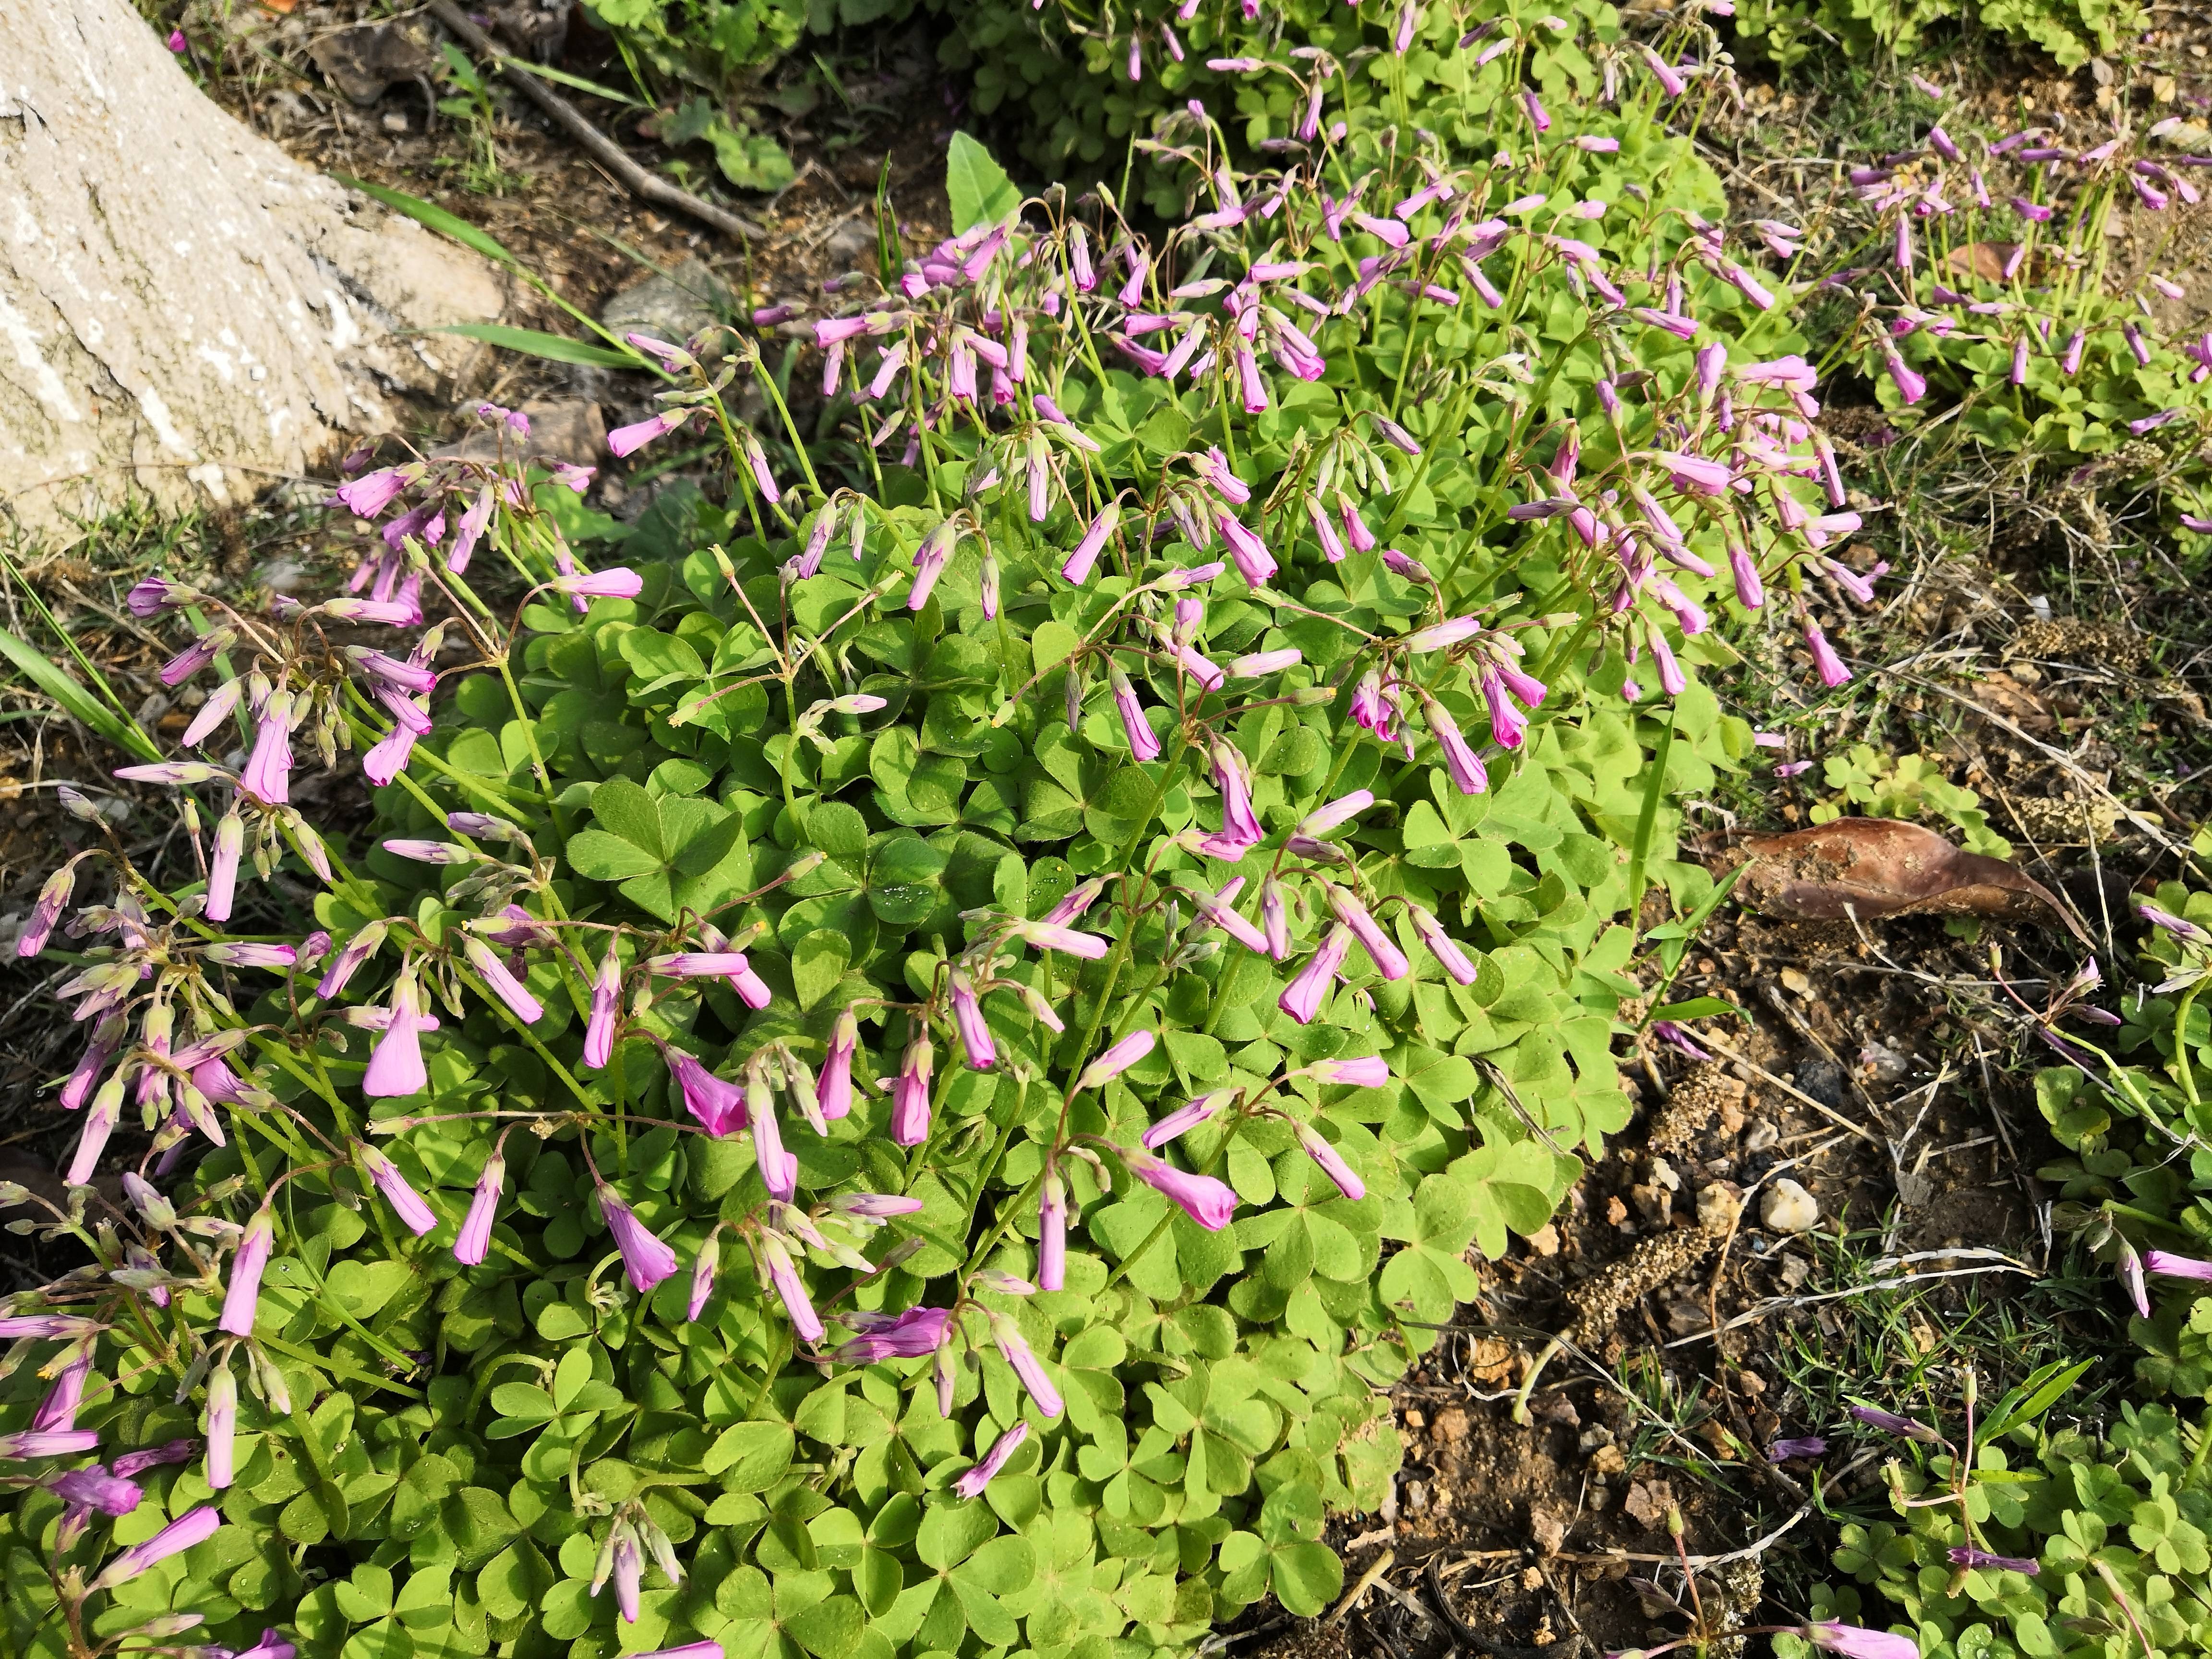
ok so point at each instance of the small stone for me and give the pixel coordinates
(1550, 1531)
(1796, 983)
(395, 122)
(1609, 1460)
(1663, 1173)
(1763, 1133)
(1615, 1210)
(1789, 1208)
(1718, 1205)
(674, 308)
(1545, 1241)
(1555, 1408)
(1450, 1425)
(1414, 1419)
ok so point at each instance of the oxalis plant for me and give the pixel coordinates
(898, 1073)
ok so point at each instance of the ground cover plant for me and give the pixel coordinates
(1069, 794)
(1075, 820)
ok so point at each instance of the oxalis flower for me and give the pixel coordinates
(474, 1240)
(1210, 1203)
(1014, 1348)
(971, 1484)
(1963, 1556)
(910, 1092)
(1857, 1642)
(645, 1258)
(194, 1527)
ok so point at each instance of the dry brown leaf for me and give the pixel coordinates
(1872, 867)
(1986, 261)
(1999, 691)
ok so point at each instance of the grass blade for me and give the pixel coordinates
(42, 672)
(554, 348)
(1647, 820)
(432, 217)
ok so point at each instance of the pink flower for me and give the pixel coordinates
(1439, 637)
(1253, 561)
(366, 497)
(618, 583)
(1854, 1642)
(1210, 1203)
(1302, 998)
(1018, 1354)
(833, 1090)
(194, 1527)
(2168, 1264)
(1050, 936)
(406, 1203)
(645, 1259)
(395, 1065)
(1186, 1118)
(267, 776)
(599, 1024)
(968, 1020)
(1332, 1162)
(58, 1410)
(718, 1103)
(1079, 562)
(1367, 1072)
(1750, 592)
(1052, 1231)
(504, 984)
(779, 1170)
(1912, 385)
(1116, 1061)
(474, 1239)
(1389, 961)
(1220, 909)
(1465, 766)
(629, 440)
(1144, 742)
(242, 1297)
(1239, 822)
(1824, 660)
(910, 1093)
(971, 1484)
(96, 1489)
(222, 1425)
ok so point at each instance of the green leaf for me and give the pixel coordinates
(750, 1457)
(123, 733)
(432, 217)
(981, 192)
(553, 348)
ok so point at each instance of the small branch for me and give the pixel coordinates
(635, 178)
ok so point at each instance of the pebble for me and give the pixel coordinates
(1789, 1208)
(1793, 981)
(1717, 1207)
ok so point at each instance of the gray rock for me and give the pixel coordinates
(673, 307)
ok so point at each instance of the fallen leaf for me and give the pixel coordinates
(1872, 867)
(2005, 694)
(1986, 261)
(362, 62)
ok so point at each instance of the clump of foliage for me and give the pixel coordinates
(895, 1069)
(2027, 1539)
(2130, 1109)
(1887, 786)
(1975, 291)
(2070, 31)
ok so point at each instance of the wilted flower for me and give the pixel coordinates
(1964, 1556)
(1783, 1450)
(971, 1484)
